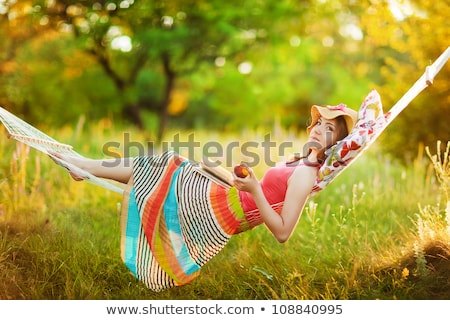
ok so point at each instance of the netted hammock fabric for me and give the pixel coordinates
(167, 249)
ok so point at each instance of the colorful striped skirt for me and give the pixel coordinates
(174, 220)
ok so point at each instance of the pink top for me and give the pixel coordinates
(274, 185)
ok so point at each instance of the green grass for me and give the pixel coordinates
(379, 231)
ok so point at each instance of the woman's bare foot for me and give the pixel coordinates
(72, 164)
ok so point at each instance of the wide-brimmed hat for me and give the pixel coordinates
(331, 112)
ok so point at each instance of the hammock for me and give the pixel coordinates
(371, 123)
(29, 135)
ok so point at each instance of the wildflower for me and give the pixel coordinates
(405, 273)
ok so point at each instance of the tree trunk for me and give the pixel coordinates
(133, 112)
(163, 114)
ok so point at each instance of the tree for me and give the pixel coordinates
(312, 60)
(138, 43)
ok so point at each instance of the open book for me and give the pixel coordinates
(216, 173)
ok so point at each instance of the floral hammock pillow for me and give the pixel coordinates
(371, 120)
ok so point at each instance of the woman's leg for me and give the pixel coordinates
(119, 169)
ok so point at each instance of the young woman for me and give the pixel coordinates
(175, 219)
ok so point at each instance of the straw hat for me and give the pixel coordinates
(331, 112)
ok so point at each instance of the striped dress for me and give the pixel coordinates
(175, 219)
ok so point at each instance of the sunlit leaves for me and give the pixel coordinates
(414, 34)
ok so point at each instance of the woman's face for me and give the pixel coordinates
(324, 134)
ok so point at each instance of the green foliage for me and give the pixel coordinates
(280, 90)
(59, 60)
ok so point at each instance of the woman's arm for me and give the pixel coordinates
(299, 187)
(119, 169)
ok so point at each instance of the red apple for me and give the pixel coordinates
(241, 171)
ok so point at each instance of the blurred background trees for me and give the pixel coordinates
(222, 65)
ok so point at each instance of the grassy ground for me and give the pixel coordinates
(380, 231)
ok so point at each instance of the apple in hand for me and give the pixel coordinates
(241, 171)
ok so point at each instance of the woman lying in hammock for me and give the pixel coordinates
(175, 219)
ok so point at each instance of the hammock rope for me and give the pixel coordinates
(422, 83)
(25, 133)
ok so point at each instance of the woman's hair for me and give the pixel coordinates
(341, 126)
(342, 132)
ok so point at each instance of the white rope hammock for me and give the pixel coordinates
(29, 135)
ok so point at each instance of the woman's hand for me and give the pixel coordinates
(249, 184)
